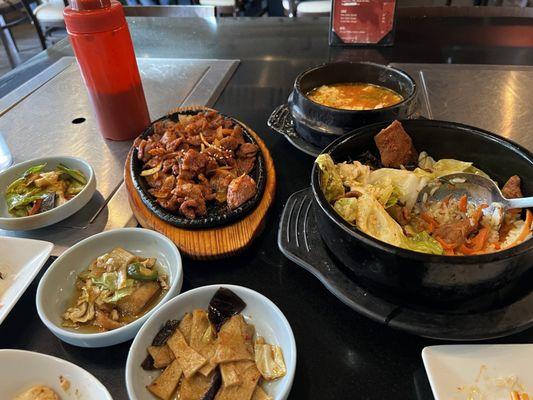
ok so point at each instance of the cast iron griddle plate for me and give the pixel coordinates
(217, 215)
(299, 239)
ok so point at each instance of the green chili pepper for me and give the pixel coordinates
(139, 272)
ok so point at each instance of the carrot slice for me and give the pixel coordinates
(445, 245)
(462, 203)
(477, 242)
(429, 219)
(477, 214)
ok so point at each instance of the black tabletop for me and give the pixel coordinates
(340, 353)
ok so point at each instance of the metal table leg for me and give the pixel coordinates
(9, 44)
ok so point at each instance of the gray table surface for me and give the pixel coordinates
(340, 353)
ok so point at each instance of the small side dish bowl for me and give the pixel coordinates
(59, 213)
(22, 370)
(56, 288)
(267, 318)
(321, 125)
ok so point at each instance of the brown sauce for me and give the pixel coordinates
(354, 96)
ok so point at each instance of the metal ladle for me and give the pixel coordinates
(478, 189)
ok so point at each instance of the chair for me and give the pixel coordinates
(223, 7)
(252, 8)
(27, 15)
(50, 16)
(314, 8)
(170, 11)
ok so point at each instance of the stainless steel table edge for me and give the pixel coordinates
(17, 95)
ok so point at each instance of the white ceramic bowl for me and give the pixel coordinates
(9, 222)
(56, 288)
(23, 369)
(268, 319)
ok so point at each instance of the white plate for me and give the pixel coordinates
(23, 369)
(55, 290)
(20, 261)
(268, 319)
(455, 371)
(59, 213)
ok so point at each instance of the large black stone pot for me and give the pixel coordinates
(321, 125)
(447, 282)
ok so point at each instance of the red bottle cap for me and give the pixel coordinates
(91, 16)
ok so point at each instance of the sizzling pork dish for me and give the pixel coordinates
(198, 161)
(116, 289)
(37, 190)
(354, 96)
(380, 200)
(213, 354)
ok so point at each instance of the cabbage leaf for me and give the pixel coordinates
(406, 184)
(432, 169)
(374, 220)
(347, 209)
(354, 174)
(331, 181)
(423, 243)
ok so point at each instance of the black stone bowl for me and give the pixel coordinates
(217, 215)
(447, 282)
(321, 125)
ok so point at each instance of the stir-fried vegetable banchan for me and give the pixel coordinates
(38, 190)
(116, 289)
(382, 201)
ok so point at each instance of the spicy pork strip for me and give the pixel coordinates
(511, 189)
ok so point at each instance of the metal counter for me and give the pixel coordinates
(51, 114)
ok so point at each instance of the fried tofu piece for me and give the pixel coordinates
(229, 374)
(233, 343)
(164, 385)
(135, 302)
(395, 146)
(162, 355)
(260, 394)
(185, 326)
(249, 375)
(203, 339)
(121, 257)
(189, 359)
(197, 386)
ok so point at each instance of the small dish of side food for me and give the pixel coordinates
(484, 372)
(100, 291)
(117, 288)
(33, 376)
(44, 191)
(221, 350)
(198, 169)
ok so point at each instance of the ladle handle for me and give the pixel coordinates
(524, 202)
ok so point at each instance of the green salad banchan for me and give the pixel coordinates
(381, 201)
(38, 190)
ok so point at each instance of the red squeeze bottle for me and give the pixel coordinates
(102, 44)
